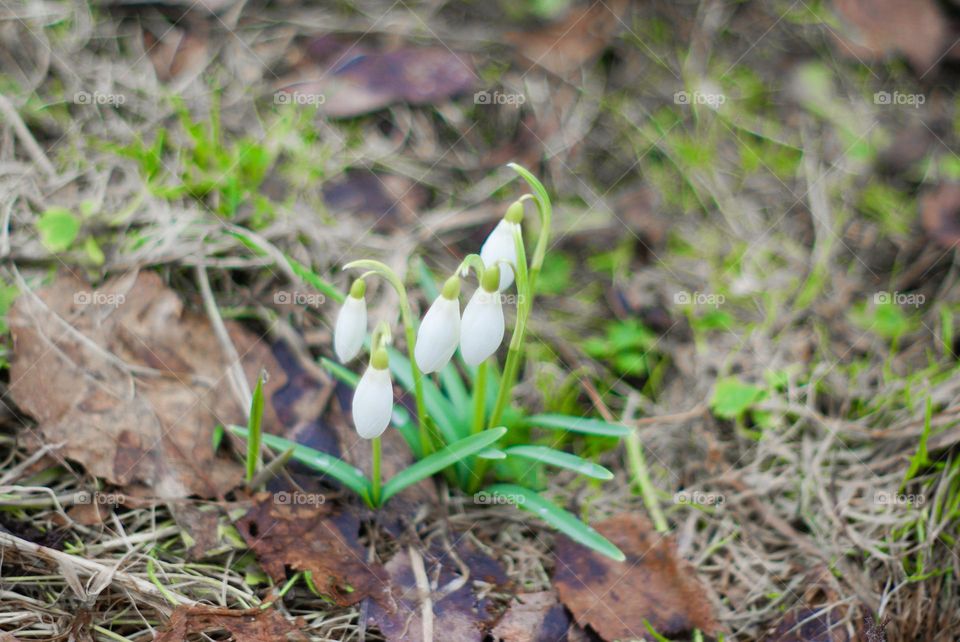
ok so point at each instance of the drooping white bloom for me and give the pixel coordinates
(373, 402)
(350, 329)
(499, 247)
(438, 335)
(482, 328)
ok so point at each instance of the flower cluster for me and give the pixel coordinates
(478, 333)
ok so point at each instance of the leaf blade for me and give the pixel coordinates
(562, 520)
(560, 459)
(439, 460)
(585, 425)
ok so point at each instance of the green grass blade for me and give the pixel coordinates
(254, 424)
(564, 521)
(348, 475)
(301, 270)
(492, 453)
(578, 424)
(560, 459)
(439, 460)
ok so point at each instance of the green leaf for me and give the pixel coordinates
(439, 460)
(58, 229)
(94, 253)
(584, 425)
(562, 520)
(492, 453)
(254, 434)
(348, 475)
(560, 459)
(732, 397)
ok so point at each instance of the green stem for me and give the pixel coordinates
(375, 480)
(406, 317)
(479, 397)
(641, 477)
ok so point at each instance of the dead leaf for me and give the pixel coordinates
(563, 47)
(248, 625)
(177, 50)
(877, 28)
(461, 610)
(345, 79)
(940, 214)
(532, 618)
(391, 201)
(199, 525)
(131, 382)
(305, 533)
(653, 584)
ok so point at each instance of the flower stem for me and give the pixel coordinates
(406, 316)
(375, 447)
(480, 397)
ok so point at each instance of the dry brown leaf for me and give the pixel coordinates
(177, 50)
(460, 611)
(200, 526)
(132, 383)
(877, 28)
(940, 214)
(389, 200)
(312, 537)
(653, 584)
(565, 46)
(249, 625)
(345, 79)
(532, 618)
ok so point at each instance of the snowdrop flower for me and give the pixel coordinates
(499, 245)
(373, 397)
(440, 331)
(481, 331)
(351, 326)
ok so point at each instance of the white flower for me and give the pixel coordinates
(481, 331)
(499, 247)
(373, 402)
(351, 328)
(438, 335)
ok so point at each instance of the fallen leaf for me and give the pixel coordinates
(199, 525)
(392, 201)
(248, 625)
(877, 28)
(456, 581)
(563, 47)
(940, 214)
(304, 532)
(130, 382)
(177, 50)
(615, 598)
(345, 79)
(534, 617)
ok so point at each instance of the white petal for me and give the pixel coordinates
(481, 332)
(499, 247)
(351, 329)
(438, 335)
(373, 403)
